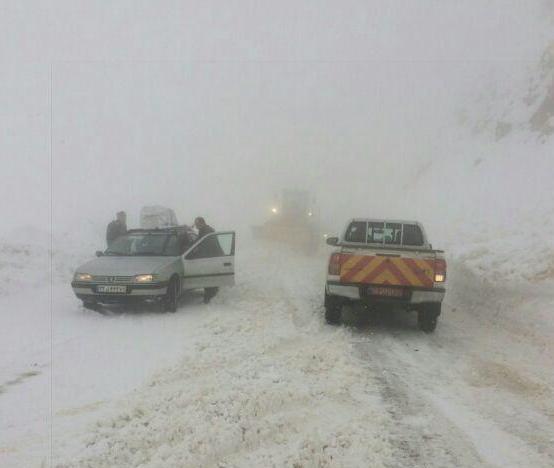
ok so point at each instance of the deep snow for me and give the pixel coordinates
(257, 379)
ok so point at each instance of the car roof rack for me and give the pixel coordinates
(183, 228)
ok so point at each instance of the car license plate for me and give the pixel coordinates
(111, 289)
(385, 292)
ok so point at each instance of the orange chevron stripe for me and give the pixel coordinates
(355, 265)
(387, 277)
(384, 266)
(351, 262)
(371, 267)
(410, 277)
(427, 267)
(402, 278)
(421, 270)
(383, 270)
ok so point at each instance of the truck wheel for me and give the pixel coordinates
(333, 309)
(91, 306)
(427, 317)
(171, 299)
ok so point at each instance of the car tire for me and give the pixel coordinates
(171, 299)
(333, 309)
(427, 317)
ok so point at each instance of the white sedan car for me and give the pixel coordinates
(156, 265)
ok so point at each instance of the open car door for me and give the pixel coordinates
(210, 262)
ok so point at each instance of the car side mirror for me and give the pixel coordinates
(99, 253)
(332, 240)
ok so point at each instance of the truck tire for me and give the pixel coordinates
(427, 317)
(333, 309)
(91, 306)
(171, 299)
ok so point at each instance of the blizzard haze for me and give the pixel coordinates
(440, 111)
(213, 108)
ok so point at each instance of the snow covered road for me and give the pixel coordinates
(257, 379)
(476, 393)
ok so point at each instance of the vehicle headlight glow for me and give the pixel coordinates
(274, 210)
(439, 278)
(82, 277)
(144, 278)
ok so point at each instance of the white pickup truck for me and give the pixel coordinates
(386, 262)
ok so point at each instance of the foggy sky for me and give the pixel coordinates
(213, 107)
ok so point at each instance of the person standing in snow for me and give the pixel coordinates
(117, 228)
(203, 230)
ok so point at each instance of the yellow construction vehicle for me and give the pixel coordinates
(294, 221)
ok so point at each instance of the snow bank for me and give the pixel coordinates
(31, 258)
(515, 257)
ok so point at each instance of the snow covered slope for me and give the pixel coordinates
(486, 190)
(515, 100)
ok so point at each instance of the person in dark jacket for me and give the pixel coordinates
(203, 230)
(117, 228)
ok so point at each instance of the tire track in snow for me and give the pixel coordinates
(495, 409)
(422, 436)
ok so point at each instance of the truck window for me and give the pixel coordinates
(375, 233)
(356, 232)
(393, 233)
(412, 235)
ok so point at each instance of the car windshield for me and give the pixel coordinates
(144, 244)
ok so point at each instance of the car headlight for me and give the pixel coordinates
(144, 278)
(82, 277)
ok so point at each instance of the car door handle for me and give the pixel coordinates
(227, 264)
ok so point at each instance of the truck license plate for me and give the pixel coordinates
(384, 291)
(111, 289)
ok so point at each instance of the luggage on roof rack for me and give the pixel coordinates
(157, 217)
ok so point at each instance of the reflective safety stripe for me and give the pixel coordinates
(394, 271)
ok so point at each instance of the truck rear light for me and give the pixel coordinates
(335, 263)
(440, 271)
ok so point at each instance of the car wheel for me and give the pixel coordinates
(427, 317)
(172, 296)
(333, 309)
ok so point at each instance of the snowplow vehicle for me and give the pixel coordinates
(293, 222)
(385, 262)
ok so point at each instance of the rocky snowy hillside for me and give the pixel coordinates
(511, 103)
(486, 190)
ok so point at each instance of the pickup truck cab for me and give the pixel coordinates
(156, 266)
(378, 261)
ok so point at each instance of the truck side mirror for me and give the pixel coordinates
(99, 253)
(332, 240)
